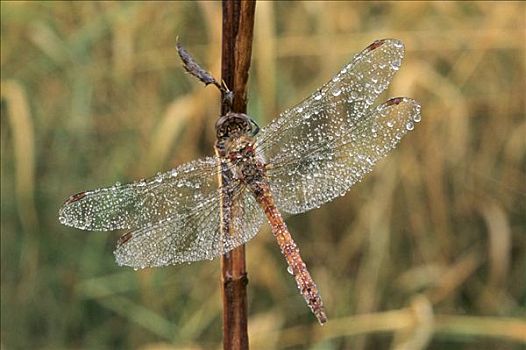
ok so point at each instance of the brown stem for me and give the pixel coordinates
(238, 24)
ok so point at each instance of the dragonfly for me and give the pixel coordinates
(309, 155)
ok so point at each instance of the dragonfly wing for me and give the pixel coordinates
(195, 237)
(170, 195)
(336, 106)
(327, 169)
(314, 149)
(175, 216)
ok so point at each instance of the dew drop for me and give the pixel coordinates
(318, 97)
(336, 92)
(417, 118)
(390, 123)
(395, 65)
(289, 270)
(409, 125)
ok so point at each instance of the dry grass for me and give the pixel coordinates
(428, 252)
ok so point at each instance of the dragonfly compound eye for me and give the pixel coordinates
(254, 128)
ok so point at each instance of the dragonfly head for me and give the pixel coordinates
(234, 125)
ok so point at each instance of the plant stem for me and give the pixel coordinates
(238, 24)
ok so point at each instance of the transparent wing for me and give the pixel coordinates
(175, 215)
(330, 168)
(317, 150)
(175, 193)
(341, 102)
(193, 237)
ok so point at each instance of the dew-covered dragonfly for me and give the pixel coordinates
(309, 155)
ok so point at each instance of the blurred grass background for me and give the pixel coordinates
(428, 252)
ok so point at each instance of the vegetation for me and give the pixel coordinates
(429, 251)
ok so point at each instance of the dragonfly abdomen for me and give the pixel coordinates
(290, 250)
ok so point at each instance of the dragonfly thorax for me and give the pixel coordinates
(240, 149)
(243, 161)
